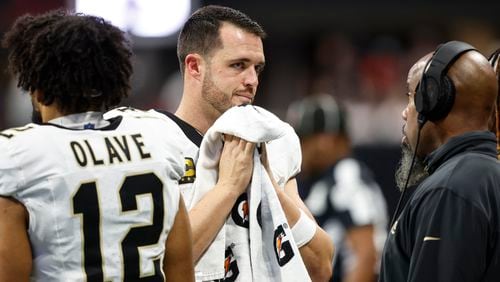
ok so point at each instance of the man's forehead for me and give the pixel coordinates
(416, 71)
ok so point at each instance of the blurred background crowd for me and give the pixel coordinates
(357, 51)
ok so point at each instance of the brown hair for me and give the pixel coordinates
(200, 33)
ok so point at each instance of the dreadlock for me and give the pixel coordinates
(495, 63)
(77, 61)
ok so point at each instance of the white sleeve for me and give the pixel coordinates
(9, 173)
(285, 156)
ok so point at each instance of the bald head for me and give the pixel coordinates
(416, 71)
(476, 87)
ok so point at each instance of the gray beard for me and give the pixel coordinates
(417, 174)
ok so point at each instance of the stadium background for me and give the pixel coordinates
(359, 51)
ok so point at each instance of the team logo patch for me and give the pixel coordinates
(230, 266)
(89, 126)
(189, 173)
(241, 211)
(394, 227)
(282, 245)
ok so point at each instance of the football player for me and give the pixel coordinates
(83, 198)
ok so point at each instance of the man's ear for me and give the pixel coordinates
(38, 96)
(195, 65)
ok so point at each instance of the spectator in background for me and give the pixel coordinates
(339, 190)
(365, 79)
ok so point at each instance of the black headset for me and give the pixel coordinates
(493, 59)
(435, 93)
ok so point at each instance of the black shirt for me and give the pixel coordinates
(449, 230)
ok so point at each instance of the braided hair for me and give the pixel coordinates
(77, 61)
(495, 63)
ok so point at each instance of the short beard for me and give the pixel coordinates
(214, 96)
(417, 174)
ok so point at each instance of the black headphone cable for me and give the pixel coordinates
(421, 121)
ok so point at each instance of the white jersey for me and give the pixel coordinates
(188, 139)
(285, 159)
(284, 154)
(101, 202)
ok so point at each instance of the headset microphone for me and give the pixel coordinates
(421, 119)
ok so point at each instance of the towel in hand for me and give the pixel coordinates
(265, 249)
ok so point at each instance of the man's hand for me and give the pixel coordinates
(210, 213)
(236, 163)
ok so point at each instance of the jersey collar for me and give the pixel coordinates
(87, 120)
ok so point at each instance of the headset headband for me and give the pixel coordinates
(445, 56)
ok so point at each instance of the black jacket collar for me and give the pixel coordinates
(483, 142)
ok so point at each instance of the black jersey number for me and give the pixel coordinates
(13, 130)
(86, 202)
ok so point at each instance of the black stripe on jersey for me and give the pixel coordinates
(190, 131)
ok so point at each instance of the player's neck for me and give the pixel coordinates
(50, 112)
(47, 112)
(195, 117)
(195, 110)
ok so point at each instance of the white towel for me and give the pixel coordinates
(258, 251)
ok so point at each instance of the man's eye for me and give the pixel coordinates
(238, 65)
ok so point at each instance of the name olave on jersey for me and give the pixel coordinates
(117, 149)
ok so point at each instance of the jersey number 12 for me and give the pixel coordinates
(86, 202)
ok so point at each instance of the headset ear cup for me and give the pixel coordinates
(419, 99)
(445, 99)
(435, 94)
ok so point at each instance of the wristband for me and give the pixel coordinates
(303, 230)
